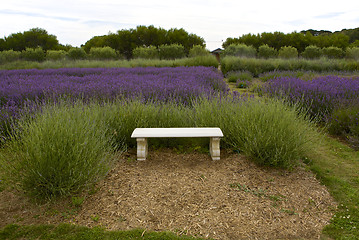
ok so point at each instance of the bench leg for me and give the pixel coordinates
(142, 149)
(214, 148)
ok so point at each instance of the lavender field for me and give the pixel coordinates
(333, 101)
(30, 88)
(320, 96)
(164, 84)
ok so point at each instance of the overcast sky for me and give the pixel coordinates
(76, 21)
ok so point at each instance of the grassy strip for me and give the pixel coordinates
(337, 166)
(258, 66)
(208, 61)
(67, 232)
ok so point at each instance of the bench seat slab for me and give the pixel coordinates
(176, 132)
(141, 135)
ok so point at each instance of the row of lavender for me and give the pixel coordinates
(19, 88)
(333, 100)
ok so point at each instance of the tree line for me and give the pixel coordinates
(299, 40)
(124, 41)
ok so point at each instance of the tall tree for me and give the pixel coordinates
(2, 44)
(97, 41)
(125, 41)
(299, 40)
(35, 37)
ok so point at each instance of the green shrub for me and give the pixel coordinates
(353, 138)
(312, 52)
(353, 53)
(354, 44)
(276, 135)
(9, 56)
(31, 54)
(344, 122)
(259, 66)
(56, 55)
(333, 52)
(124, 116)
(253, 65)
(102, 53)
(288, 52)
(61, 151)
(269, 132)
(197, 51)
(341, 120)
(240, 75)
(276, 74)
(76, 54)
(207, 61)
(150, 52)
(232, 78)
(256, 86)
(265, 51)
(242, 83)
(173, 51)
(239, 50)
(67, 148)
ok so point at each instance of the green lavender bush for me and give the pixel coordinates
(60, 151)
(67, 147)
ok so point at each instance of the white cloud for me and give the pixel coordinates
(76, 21)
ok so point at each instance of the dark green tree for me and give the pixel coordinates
(2, 44)
(37, 37)
(298, 40)
(149, 36)
(181, 37)
(125, 41)
(97, 41)
(16, 42)
(230, 41)
(34, 38)
(277, 40)
(340, 40)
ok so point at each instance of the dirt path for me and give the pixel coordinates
(189, 193)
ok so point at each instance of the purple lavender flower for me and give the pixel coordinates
(320, 96)
(35, 87)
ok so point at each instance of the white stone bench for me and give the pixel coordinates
(141, 135)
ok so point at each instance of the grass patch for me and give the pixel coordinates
(67, 232)
(259, 66)
(337, 166)
(208, 61)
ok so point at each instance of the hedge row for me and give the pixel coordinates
(287, 52)
(168, 52)
(257, 66)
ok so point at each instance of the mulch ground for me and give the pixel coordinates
(188, 193)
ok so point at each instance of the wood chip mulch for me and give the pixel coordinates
(188, 193)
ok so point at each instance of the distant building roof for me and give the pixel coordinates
(218, 50)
